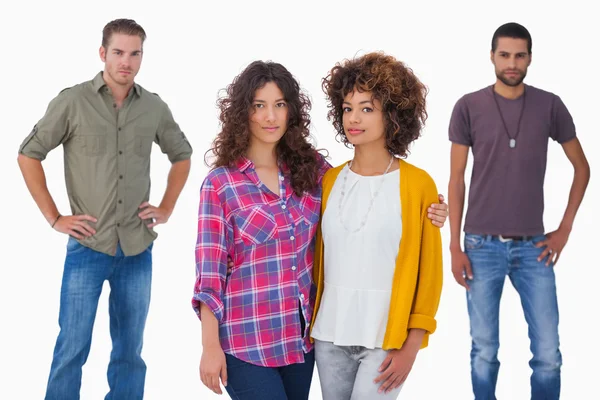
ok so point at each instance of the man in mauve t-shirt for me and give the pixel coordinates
(507, 125)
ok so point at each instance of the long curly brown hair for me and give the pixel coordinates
(391, 82)
(294, 149)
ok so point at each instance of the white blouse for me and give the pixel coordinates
(359, 267)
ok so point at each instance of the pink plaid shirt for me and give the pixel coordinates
(270, 239)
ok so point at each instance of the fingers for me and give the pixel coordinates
(394, 383)
(86, 217)
(385, 386)
(441, 208)
(147, 213)
(459, 277)
(441, 197)
(385, 363)
(384, 376)
(211, 381)
(545, 253)
(553, 257)
(215, 387)
(84, 228)
(468, 270)
(224, 375)
(144, 204)
(75, 234)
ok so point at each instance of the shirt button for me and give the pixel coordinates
(118, 224)
(120, 152)
(292, 238)
(294, 268)
(114, 105)
(284, 206)
(120, 176)
(281, 178)
(120, 201)
(301, 296)
(119, 129)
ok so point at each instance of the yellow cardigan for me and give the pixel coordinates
(417, 284)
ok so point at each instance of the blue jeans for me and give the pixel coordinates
(491, 260)
(247, 381)
(84, 274)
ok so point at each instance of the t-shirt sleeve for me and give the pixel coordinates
(459, 130)
(563, 127)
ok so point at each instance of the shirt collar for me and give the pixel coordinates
(243, 164)
(98, 83)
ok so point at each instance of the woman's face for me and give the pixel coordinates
(363, 118)
(269, 115)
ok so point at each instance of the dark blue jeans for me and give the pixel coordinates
(247, 381)
(492, 260)
(84, 274)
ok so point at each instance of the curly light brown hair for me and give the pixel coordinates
(390, 81)
(294, 149)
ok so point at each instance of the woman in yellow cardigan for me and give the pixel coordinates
(378, 260)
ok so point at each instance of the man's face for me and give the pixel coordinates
(122, 58)
(511, 60)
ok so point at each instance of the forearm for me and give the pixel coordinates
(414, 338)
(210, 327)
(35, 179)
(176, 181)
(578, 187)
(456, 203)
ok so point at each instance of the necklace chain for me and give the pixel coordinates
(343, 194)
(512, 141)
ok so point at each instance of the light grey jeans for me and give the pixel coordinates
(348, 372)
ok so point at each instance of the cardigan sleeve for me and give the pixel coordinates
(430, 275)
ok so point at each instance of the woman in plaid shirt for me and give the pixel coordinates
(259, 206)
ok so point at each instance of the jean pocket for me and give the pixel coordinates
(73, 246)
(473, 242)
(536, 239)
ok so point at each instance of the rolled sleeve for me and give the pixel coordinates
(50, 131)
(211, 252)
(171, 139)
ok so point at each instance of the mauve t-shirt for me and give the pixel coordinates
(506, 196)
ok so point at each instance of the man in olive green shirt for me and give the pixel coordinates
(107, 127)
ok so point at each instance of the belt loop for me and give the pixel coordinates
(488, 238)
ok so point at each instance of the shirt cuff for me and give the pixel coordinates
(214, 304)
(420, 321)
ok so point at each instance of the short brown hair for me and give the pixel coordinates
(400, 92)
(123, 26)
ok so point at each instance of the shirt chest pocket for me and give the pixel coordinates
(143, 139)
(255, 225)
(91, 140)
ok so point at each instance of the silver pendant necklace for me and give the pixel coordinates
(512, 142)
(343, 193)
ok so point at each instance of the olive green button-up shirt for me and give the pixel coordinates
(107, 157)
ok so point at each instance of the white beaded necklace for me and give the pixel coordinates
(364, 220)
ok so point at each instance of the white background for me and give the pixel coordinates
(194, 50)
